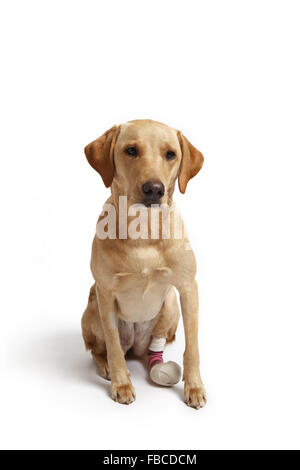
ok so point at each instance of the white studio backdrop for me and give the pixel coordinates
(225, 73)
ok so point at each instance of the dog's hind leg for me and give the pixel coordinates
(93, 334)
(164, 373)
(168, 318)
(101, 361)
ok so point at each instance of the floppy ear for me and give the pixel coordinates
(100, 154)
(191, 162)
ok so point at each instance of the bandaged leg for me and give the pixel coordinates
(162, 373)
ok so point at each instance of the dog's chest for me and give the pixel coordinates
(141, 291)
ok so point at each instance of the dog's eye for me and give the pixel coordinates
(170, 155)
(132, 151)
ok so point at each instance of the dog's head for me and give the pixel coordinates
(143, 159)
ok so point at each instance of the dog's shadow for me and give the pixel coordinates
(63, 356)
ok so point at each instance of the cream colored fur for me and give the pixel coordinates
(133, 296)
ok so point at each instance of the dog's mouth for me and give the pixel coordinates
(150, 203)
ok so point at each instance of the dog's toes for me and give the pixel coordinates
(195, 396)
(124, 394)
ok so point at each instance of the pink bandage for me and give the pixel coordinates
(154, 357)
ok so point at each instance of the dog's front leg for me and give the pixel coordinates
(122, 389)
(194, 392)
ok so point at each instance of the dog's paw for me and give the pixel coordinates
(165, 373)
(124, 394)
(195, 396)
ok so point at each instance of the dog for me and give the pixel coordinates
(133, 299)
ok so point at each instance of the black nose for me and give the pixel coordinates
(153, 190)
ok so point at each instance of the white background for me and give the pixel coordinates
(225, 73)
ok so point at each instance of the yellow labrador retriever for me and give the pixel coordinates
(133, 298)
